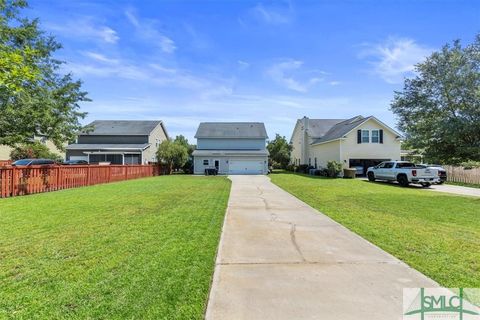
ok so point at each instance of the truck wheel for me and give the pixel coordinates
(426, 185)
(371, 177)
(403, 180)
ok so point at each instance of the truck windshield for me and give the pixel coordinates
(405, 165)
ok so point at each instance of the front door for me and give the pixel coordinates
(217, 164)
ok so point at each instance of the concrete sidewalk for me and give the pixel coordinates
(281, 259)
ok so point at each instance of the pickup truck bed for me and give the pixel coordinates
(403, 172)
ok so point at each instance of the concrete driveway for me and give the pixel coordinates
(281, 259)
(447, 188)
(459, 190)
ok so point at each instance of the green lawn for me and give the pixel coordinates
(140, 249)
(438, 234)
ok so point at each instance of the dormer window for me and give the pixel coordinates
(365, 136)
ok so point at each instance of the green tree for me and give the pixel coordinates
(187, 167)
(172, 154)
(279, 150)
(33, 150)
(439, 109)
(34, 97)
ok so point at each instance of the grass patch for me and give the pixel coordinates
(141, 249)
(437, 234)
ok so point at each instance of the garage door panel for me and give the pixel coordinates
(246, 166)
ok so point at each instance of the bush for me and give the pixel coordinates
(303, 168)
(334, 168)
(33, 150)
(291, 167)
(470, 165)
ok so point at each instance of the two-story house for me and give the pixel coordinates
(119, 142)
(231, 148)
(358, 142)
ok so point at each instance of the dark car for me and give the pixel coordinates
(34, 162)
(75, 162)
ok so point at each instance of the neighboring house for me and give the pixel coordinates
(119, 142)
(5, 150)
(356, 142)
(231, 148)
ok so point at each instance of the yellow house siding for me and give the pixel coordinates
(296, 143)
(5, 150)
(325, 152)
(389, 149)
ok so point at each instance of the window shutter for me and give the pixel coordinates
(359, 136)
(381, 135)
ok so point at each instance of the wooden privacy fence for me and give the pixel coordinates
(459, 174)
(15, 181)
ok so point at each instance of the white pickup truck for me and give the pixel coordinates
(404, 172)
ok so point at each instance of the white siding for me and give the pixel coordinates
(156, 136)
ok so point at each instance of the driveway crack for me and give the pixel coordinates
(294, 241)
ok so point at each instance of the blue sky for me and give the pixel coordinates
(190, 61)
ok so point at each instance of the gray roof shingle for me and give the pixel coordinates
(122, 127)
(340, 129)
(231, 130)
(107, 146)
(319, 127)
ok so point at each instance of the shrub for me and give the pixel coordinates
(33, 150)
(334, 168)
(291, 167)
(470, 165)
(303, 168)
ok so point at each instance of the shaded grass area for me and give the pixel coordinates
(141, 249)
(437, 234)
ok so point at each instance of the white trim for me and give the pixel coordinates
(399, 136)
(378, 121)
(315, 144)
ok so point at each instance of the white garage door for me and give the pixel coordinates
(245, 167)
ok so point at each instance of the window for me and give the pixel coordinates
(205, 162)
(388, 165)
(365, 136)
(405, 165)
(375, 136)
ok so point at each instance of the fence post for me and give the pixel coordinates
(58, 179)
(12, 181)
(88, 175)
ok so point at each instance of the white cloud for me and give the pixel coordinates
(274, 15)
(242, 65)
(147, 29)
(283, 73)
(85, 28)
(100, 57)
(395, 58)
(334, 83)
(204, 87)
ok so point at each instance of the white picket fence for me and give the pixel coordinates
(459, 174)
